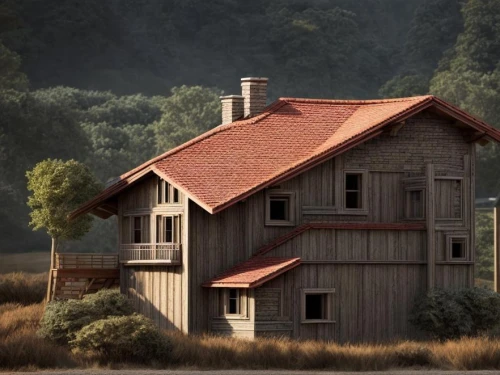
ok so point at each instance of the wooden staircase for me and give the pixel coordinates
(78, 274)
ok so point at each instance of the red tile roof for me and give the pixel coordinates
(253, 272)
(233, 161)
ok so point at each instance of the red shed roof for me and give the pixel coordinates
(233, 161)
(253, 272)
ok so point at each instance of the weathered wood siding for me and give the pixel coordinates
(156, 292)
(159, 291)
(376, 274)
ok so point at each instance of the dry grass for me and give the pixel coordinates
(224, 353)
(36, 262)
(23, 288)
(21, 348)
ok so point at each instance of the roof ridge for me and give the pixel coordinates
(355, 101)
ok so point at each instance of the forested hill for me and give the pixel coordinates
(112, 83)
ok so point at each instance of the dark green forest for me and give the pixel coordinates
(113, 83)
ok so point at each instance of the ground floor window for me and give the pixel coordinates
(317, 305)
(233, 302)
(457, 247)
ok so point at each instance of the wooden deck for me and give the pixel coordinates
(78, 274)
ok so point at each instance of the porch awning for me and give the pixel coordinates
(253, 272)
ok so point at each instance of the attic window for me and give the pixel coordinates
(280, 208)
(167, 193)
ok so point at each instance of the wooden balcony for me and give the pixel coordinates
(151, 253)
(86, 261)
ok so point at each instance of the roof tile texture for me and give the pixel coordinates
(229, 161)
(253, 271)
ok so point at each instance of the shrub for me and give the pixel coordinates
(132, 338)
(17, 318)
(62, 319)
(450, 314)
(23, 288)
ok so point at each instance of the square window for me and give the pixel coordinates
(317, 305)
(280, 208)
(457, 247)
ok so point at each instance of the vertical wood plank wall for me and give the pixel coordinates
(158, 291)
(376, 274)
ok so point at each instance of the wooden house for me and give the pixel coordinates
(312, 219)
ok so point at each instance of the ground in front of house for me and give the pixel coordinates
(245, 372)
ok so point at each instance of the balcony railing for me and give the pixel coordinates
(151, 253)
(86, 260)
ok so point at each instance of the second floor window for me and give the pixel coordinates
(280, 208)
(167, 193)
(139, 229)
(168, 229)
(353, 193)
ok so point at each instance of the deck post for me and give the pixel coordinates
(431, 232)
(496, 247)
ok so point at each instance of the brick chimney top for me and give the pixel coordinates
(254, 90)
(232, 108)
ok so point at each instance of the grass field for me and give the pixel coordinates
(25, 262)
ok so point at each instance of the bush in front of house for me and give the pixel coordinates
(132, 338)
(62, 319)
(450, 314)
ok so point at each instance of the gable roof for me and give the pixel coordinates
(233, 161)
(253, 272)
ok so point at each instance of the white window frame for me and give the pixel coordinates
(279, 194)
(242, 303)
(329, 294)
(176, 229)
(162, 187)
(363, 210)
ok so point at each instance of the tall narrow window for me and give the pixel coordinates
(169, 229)
(161, 191)
(233, 306)
(137, 230)
(353, 192)
(176, 196)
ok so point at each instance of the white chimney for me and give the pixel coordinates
(254, 90)
(232, 108)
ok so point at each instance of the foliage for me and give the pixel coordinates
(58, 188)
(22, 288)
(401, 86)
(132, 338)
(450, 314)
(10, 75)
(63, 319)
(484, 245)
(189, 112)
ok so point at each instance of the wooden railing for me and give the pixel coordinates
(86, 260)
(151, 253)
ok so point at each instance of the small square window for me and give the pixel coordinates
(317, 305)
(457, 248)
(280, 208)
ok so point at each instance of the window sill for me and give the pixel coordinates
(353, 211)
(270, 223)
(317, 321)
(231, 317)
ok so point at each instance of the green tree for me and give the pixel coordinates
(484, 245)
(58, 188)
(188, 112)
(402, 86)
(10, 75)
